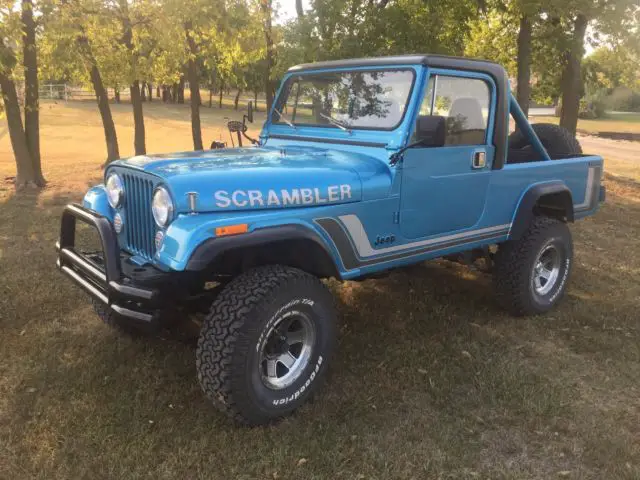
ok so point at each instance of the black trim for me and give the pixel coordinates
(430, 60)
(328, 140)
(524, 214)
(602, 197)
(350, 258)
(101, 274)
(382, 129)
(207, 252)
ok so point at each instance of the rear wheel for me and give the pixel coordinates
(265, 345)
(531, 273)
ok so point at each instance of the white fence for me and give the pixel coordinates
(63, 91)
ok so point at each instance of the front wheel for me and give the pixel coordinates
(265, 344)
(531, 273)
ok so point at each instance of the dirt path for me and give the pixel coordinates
(619, 149)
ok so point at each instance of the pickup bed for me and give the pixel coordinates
(362, 166)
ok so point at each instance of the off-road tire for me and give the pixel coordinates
(227, 355)
(107, 315)
(112, 319)
(557, 140)
(515, 263)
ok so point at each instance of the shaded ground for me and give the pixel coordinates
(430, 380)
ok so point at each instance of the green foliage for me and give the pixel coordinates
(623, 99)
(593, 106)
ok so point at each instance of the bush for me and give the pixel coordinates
(623, 99)
(593, 106)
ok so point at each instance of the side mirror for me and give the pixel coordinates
(431, 130)
(250, 111)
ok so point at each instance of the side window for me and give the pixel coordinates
(464, 102)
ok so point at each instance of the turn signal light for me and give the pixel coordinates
(232, 229)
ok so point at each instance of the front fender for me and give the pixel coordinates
(190, 242)
(96, 200)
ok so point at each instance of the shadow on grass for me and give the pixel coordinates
(415, 387)
(430, 379)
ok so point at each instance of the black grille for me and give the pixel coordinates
(139, 230)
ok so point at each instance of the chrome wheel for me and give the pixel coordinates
(285, 353)
(546, 270)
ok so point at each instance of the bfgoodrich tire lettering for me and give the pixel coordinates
(228, 356)
(517, 262)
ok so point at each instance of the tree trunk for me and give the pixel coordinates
(194, 87)
(116, 94)
(255, 100)
(299, 9)
(174, 93)
(572, 87)
(210, 97)
(150, 92)
(523, 93)
(31, 106)
(102, 98)
(24, 166)
(138, 119)
(266, 8)
(237, 99)
(143, 92)
(113, 153)
(181, 89)
(157, 91)
(220, 98)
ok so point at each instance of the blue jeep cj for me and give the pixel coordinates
(362, 166)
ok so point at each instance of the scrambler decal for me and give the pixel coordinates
(284, 197)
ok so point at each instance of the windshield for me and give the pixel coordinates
(347, 100)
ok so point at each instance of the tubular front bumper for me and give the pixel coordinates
(101, 275)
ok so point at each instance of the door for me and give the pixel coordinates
(444, 188)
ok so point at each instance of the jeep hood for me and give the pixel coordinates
(261, 178)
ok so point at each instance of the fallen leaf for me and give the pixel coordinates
(302, 461)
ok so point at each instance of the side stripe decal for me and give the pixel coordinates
(590, 193)
(364, 248)
(355, 249)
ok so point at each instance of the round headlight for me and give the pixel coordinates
(115, 190)
(162, 207)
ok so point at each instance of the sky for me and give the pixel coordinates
(287, 9)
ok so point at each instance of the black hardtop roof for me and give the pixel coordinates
(440, 61)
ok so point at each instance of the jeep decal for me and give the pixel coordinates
(283, 198)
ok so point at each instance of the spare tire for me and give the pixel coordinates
(557, 140)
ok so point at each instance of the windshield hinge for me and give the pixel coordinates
(395, 158)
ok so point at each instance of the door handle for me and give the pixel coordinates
(479, 159)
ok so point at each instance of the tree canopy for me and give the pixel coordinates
(222, 45)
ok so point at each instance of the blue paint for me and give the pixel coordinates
(432, 194)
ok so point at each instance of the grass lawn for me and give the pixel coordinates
(430, 379)
(614, 122)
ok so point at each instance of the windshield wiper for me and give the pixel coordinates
(284, 119)
(341, 125)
